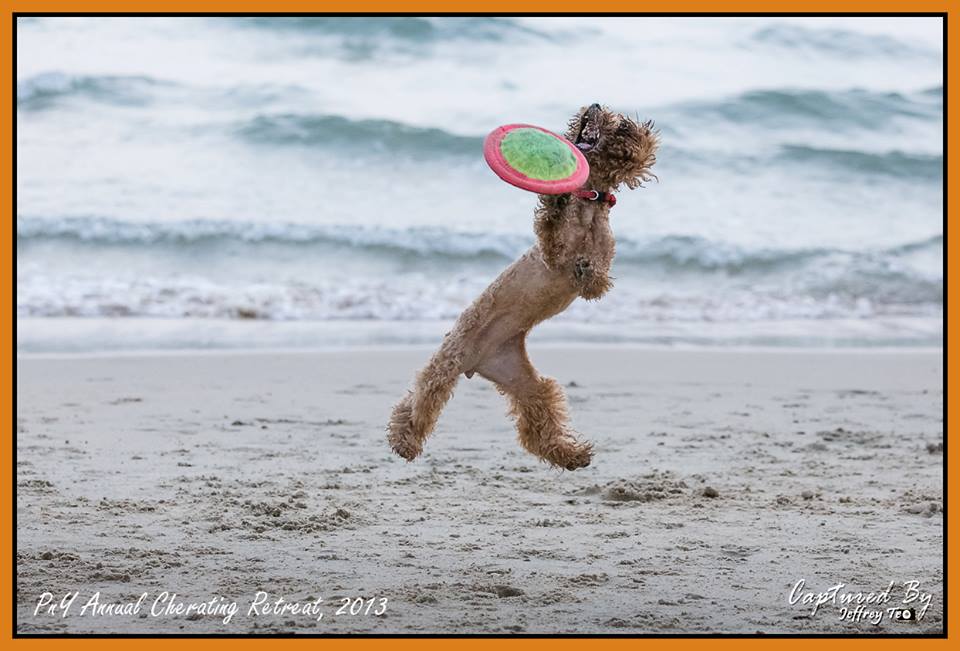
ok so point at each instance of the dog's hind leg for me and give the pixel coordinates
(414, 417)
(537, 404)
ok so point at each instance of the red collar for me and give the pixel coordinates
(593, 195)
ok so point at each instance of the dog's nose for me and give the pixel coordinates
(594, 107)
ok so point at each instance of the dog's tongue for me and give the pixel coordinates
(584, 146)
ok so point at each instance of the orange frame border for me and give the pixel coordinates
(7, 298)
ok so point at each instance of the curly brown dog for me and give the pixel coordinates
(572, 257)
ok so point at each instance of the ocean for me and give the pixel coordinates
(313, 182)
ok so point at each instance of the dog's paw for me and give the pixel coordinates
(404, 447)
(582, 270)
(399, 434)
(569, 454)
(579, 457)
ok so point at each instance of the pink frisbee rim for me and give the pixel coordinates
(500, 166)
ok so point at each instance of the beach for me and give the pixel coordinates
(721, 479)
(236, 248)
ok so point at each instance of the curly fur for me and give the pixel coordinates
(572, 257)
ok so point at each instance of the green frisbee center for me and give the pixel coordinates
(537, 154)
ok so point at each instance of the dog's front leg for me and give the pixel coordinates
(592, 282)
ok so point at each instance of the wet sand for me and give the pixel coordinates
(721, 478)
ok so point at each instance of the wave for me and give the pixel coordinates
(837, 42)
(369, 135)
(44, 90)
(772, 108)
(842, 108)
(49, 89)
(405, 28)
(893, 163)
(417, 241)
(676, 252)
(934, 242)
(433, 273)
(444, 296)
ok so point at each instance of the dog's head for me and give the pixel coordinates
(619, 149)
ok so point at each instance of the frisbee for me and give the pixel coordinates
(534, 159)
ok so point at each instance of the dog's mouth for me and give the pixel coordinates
(589, 133)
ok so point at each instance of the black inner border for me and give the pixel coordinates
(17, 635)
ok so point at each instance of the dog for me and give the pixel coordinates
(571, 258)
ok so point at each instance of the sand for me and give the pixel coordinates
(721, 479)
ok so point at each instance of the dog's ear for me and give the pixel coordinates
(642, 140)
